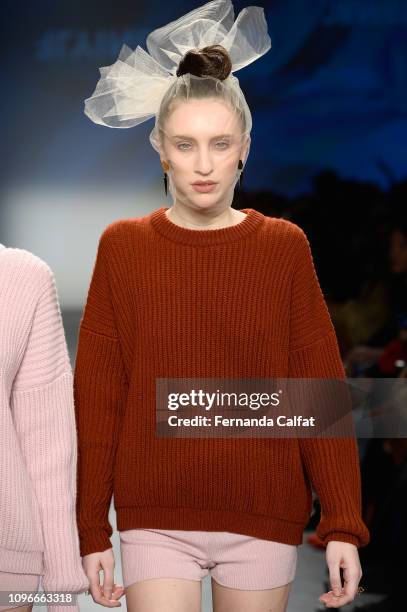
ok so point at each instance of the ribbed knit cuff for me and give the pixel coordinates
(63, 607)
(68, 608)
(341, 536)
(47, 432)
(94, 540)
(54, 581)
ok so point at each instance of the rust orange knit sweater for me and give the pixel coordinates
(241, 301)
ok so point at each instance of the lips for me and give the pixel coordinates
(204, 187)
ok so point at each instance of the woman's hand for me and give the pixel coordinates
(342, 555)
(107, 593)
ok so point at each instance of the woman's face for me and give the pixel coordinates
(203, 142)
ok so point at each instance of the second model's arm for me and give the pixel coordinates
(43, 414)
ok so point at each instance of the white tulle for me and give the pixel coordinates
(130, 90)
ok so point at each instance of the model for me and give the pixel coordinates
(201, 290)
(38, 443)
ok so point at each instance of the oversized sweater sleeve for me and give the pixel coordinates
(100, 391)
(43, 413)
(332, 464)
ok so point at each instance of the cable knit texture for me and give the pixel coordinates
(38, 441)
(240, 301)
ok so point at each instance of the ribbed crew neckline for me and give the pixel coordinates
(184, 235)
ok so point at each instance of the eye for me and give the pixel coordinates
(180, 146)
(185, 146)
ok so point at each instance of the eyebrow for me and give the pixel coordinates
(191, 138)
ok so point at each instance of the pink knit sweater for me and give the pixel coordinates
(38, 443)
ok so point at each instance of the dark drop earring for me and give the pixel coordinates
(240, 166)
(165, 167)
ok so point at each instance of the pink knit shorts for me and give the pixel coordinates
(17, 582)
(233, 560)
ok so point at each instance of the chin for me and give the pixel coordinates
(204, 200)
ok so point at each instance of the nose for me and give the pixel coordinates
(204, 164)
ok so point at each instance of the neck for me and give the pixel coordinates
(206, 235)
(204, 219)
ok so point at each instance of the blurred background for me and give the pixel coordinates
(329, 106)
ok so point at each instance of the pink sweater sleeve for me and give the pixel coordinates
(44, 418)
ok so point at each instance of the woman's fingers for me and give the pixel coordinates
(100, 598)
(335, 577)
(108, 573)
(345, 556)
(110, 590)
(333, 601)
(94, 586)
(117, 592)
(108, 593)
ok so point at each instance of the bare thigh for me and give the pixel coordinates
(164, 595)
(267, 600)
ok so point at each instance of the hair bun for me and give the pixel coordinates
(213, 61)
